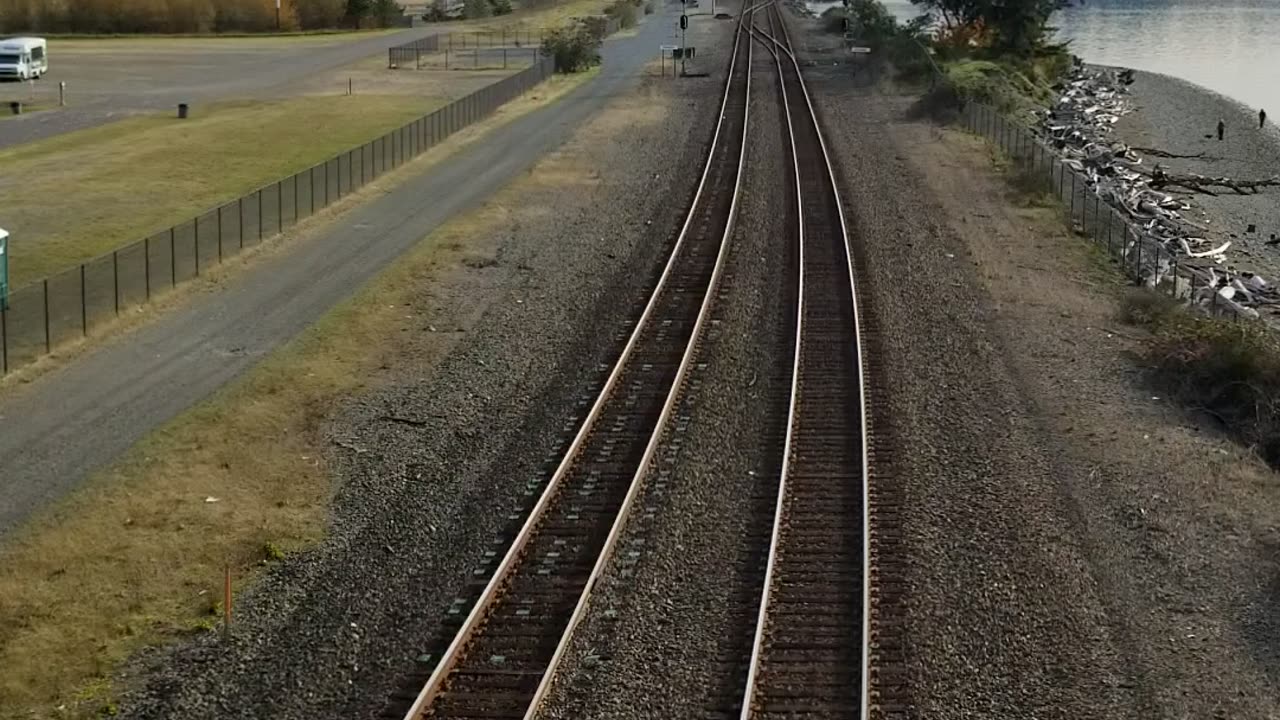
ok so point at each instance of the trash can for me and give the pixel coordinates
(15, 107)
(182, 111)
(4, 269)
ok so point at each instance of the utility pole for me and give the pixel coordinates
(277, 15)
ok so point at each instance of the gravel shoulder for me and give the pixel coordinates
(1077, 547)
(672, 619)
(1180, 117)
(334, 631)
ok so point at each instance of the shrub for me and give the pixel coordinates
(574, 48)
(472, 9)
(834, 20)
(648, 8)
(1230, 370)
(386, 13)
(320, 13)
(622, 11)
(500, 7)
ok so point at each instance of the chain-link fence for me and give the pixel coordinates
(462, 50)
(41, 316)
(411, 53)
(1142, 256)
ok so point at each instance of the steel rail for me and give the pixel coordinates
(672, 396)
(762, 618)
(784, 47)
(476, 617)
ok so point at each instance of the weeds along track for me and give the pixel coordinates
(499, 660)
(810, 652)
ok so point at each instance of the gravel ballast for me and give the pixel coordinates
(433, 462)
(670, 625)
(1075, 546)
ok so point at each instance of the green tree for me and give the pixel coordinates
(1016, 26)
(953, 13)
(871, 20)
(575, 49)
(386, 12)
(1021, 26)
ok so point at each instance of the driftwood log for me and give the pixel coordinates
(1202, 184)
(1156, 152)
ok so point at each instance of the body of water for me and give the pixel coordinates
(1230, 46)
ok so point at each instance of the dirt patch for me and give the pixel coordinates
(1175, 524)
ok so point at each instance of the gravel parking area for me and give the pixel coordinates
(1181, 118)
(1076, 546)
(673, 617)
(433, 462)
(110, 79)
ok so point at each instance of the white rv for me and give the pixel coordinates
(24, 58)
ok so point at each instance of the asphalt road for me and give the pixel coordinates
(104, 85)
(64, 425)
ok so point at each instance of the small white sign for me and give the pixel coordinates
(667, 48)
(860, 50)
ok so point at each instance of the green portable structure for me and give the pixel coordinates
(4, 270)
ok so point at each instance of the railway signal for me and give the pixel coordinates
(684, 25)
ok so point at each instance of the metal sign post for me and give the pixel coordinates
(277, 15)
(4, 269)
(662, 57)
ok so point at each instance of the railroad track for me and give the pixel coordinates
(502, 659)
(810, 655)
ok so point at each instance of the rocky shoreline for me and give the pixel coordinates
(1150, 145)
(1181, 118)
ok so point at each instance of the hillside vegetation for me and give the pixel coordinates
(993, 51)
(190, 16)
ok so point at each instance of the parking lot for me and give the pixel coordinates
(112, 78)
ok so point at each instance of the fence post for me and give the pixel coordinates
(1110, 213)
(1071, 218)
(1096, 201)
(4, 339)
(84, 306)
(311, 176)
(48, 341)
(1137, 264)
(146, 263)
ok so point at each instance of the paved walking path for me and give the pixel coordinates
(63, 426)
